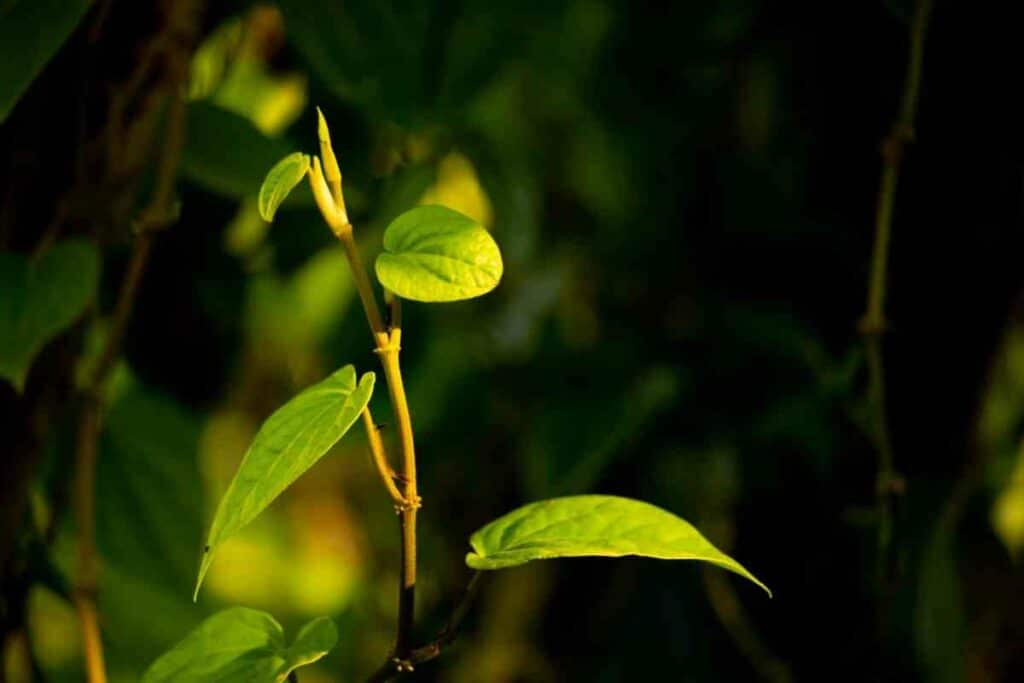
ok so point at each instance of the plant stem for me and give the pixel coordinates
(387, 348)
(380, 458)
(85, 513)
(365, 289)
(158, 214)
(432, 650)
(407, 589)
(873, 323)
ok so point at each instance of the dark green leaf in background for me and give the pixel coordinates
(592, 526)
(227, 155)
(376, 54)
(291, 441)
(432, 253)
(40, 299)
(148, 524)
(31, 32)
(242, 645)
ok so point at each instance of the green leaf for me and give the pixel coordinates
(148, 507)
(39, 300)
(433, 253)
(226, 154)
(940, 623)
(281, 180)
(31, 33)
(290, 442)
(374, 54)
(589, 526)
(243, 645)
(148, 517)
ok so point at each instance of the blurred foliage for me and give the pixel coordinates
(683, 197)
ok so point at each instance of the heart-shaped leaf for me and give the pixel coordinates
(604, 526)
(242, 645)
(291, 440)
(31, 33)
(432, 253)
(39, 300)
(281, 180)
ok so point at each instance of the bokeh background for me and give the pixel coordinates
(684, 196)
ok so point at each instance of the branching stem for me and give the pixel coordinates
(387, 347)
(395, 667)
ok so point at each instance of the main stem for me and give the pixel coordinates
(388, 346)
(873, 323)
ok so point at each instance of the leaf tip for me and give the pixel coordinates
(17, 380)
(203, 567)
(739, 569)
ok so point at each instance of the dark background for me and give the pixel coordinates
(685, 199)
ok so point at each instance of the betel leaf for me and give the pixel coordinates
(281, 180)
(227, 155)
(290, 442)
(31, 33)
(594, 526)
(243, 645)
(148, 517)
(432, 253)
(38, 300)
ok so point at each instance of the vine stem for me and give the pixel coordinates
(873, 323)
(158, 214)
(327, 192)
(380, 457)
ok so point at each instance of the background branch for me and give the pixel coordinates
(158, 214)
(873, 323)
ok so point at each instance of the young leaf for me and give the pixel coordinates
(242, 645)
(605, 526)
(31, 33)
(39, 300)
(432, 253)
(291, 440)
(281, 180)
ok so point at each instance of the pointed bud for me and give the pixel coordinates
(335, 215)
(331, 170)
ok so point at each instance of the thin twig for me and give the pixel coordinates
(873, 323)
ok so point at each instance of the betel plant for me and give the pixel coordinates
(431, 254)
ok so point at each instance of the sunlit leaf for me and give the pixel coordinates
(432, 253)
(291, 441)
(31, 32)
(38, 300)
(281, 179)
(242, 645)
(592, 526)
